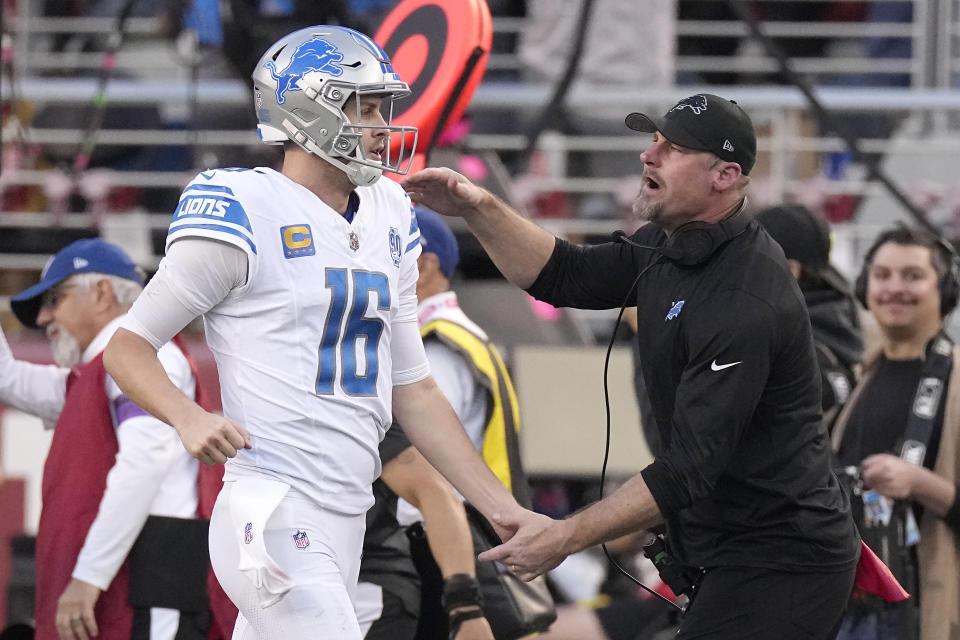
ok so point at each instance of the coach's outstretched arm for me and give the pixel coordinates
(537, 549)
(518, 247)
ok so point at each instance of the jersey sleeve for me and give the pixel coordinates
(211, 208)
(720, 387)
(408, 265)
(409, 359)
(193, 277)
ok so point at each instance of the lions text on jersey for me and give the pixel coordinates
(303, 347)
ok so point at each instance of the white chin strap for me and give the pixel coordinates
(359, 174)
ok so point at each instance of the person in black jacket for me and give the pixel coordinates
(805, 240)
(388, 593)
(743, 481)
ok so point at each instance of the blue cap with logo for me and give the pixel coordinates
(92, 255)
(436, 238)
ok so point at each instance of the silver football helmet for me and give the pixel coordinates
(301, 85)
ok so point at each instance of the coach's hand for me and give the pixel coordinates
(75, 619)
(211, 438)
(538, 545)
(445, 191)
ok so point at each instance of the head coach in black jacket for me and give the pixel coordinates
(743, 481)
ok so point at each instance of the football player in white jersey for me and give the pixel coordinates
(306, 281)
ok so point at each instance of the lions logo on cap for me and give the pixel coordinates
(316, 54)
(697, 104)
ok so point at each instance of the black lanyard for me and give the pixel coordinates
(926, 401)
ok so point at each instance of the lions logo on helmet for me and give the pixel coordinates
(316, 54)
(302, 85)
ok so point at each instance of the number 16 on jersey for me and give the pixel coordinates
(345, 338)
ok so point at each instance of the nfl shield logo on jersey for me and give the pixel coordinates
(248, 533)
(395, 250)
(300, 537)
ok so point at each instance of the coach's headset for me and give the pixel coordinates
(694, 243)
(949, 283)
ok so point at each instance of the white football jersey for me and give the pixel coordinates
(303, 347)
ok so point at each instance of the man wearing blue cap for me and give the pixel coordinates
(115, 477)
(467, 366)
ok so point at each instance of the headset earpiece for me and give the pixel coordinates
(860, 285)
(694, 243)
(950, 282)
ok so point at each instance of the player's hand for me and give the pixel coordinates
(211, 438)
(888, 475)
(475, 629)
(537, 546)
(75, 619)
(445, 191)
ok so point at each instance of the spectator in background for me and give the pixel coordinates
(899, 433)
(805, 240)
(618, 36)
(472, 376)
(116, 479)
(388, 594)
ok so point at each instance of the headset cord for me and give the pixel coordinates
(606, 449)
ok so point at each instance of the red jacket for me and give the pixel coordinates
(82, 452)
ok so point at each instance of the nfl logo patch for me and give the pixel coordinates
(395, 249)
(354, 241)
(248, 533)
(300, 537)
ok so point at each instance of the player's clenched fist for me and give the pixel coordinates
(211, 438)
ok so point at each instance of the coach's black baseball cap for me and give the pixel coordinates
(705, 122)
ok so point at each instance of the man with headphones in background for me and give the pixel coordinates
(897, 439)
(754, 516)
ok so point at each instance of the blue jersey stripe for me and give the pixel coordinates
(212, 209)
(214, 227)
(412, 244)
(209, 187)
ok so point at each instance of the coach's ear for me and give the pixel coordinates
(726, 176)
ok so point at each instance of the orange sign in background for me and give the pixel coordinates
(440, 48)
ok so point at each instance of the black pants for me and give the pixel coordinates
(740, 603)
(395, 622)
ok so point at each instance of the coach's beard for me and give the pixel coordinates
(66, 351)
(647, 212)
